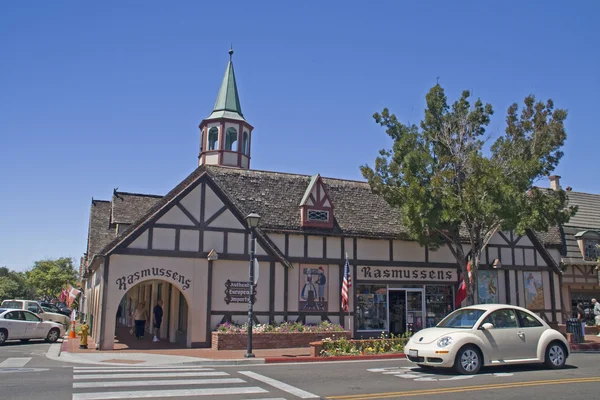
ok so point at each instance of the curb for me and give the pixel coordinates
(277, 360)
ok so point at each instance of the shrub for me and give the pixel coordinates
(285, 327)
(384, 345)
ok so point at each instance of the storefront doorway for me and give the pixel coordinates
(406, 310)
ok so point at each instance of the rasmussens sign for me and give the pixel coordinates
(130, 279)
(407, 274)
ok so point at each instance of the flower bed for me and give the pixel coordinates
(344, 347)
(287, 335)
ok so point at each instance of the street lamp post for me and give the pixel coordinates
(252, 220)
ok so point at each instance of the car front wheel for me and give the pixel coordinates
(556, 356)
(467, 361)
(53, 335)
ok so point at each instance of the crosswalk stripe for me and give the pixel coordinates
(149, 367)
(171, 382)
(149, 375)
(168, 393)
(280, 385)
(89, 371)
(15, 362)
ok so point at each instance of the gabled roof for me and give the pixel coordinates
(586, 218)
(276, 196)
(99, 232)
(129, 207)
(313, 181)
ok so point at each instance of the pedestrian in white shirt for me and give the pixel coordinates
(596, 306)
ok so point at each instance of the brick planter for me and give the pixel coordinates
(239, 341)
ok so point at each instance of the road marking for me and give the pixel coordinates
(280, 385)
(89, 371)
(150, 375)
(85, 385)
(368, 396)
(15, 362)
(168, 393)
(150, 367)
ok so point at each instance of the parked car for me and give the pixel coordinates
(53, 308)
(35, 307)
(487, 334)
(24, 325)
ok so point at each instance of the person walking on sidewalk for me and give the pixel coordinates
(158, 314)
(140, 316)
(596, 306)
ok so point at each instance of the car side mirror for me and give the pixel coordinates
(487, 326)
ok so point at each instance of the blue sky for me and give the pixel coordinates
(110, 94)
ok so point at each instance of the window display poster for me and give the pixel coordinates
(534, 290)
(313, 288)
(487, 286)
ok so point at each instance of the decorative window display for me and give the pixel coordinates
(313, 288)
(534, 290)
(487, 286)
(371, 307)
(438, 303)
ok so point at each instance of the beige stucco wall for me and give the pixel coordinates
(238, 271)
(122, 276)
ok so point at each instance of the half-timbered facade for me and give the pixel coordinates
(190, 249)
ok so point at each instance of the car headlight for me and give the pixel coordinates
(445, 341)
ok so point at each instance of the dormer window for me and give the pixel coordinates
(590, 251)
(316, 208)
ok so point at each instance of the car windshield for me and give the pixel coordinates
(463, 318)
(2, 310)
(12, 304)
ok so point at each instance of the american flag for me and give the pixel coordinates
(346, 285)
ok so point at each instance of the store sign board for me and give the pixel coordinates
(412, 274)
(238, 292)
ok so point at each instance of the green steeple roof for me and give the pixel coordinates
(228, 100)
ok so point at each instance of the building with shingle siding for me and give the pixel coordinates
(579, 258)
(190, 248)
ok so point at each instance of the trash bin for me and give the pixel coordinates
(574, 327)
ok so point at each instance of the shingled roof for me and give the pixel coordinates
(99, 232)
(129, 207)
(275, 196)
(586, 218)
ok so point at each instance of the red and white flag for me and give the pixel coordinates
(346, 284)
(461, 291)
(73, 293)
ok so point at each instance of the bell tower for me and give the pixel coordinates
(225, 135)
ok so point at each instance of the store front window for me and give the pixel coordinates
(439, 302)
(371, 307)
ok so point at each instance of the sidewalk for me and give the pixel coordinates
(146, 353)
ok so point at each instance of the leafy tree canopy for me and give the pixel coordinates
(14, 285)
(450, 190)
(50, 276)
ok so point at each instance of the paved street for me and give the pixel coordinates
(26, 373)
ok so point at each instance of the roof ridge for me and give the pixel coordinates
(284, 173)
(140, 194)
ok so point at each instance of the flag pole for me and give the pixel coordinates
(349, 318)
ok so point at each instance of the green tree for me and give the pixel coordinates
(451, 190)
(48, 277)
(14, 285)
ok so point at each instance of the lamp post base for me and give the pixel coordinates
(248, 355)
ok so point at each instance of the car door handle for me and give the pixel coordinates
(521, 334)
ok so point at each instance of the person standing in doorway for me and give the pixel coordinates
(140, 316)
(158, 314)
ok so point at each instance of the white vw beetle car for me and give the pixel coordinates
(24, 325)
(487, 334)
